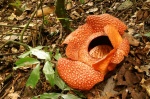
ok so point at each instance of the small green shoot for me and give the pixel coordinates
(16, 4)
(46, 20)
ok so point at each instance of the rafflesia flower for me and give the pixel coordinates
(92, 50)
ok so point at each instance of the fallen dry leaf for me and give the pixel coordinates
(146, 86)
(13, 95)
(46, 11)
(132, 40)
(143, 69)
(125, 5)
(108, 89)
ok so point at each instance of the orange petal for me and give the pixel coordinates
(76, 39)
(113, 35)
(102, 65)
(122, 51)
(111, 66)
(78, 75)
(81, 30)
(98, 22)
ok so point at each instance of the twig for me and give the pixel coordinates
(13, 26)
(9, 54)
(19, 43)
(22, 32)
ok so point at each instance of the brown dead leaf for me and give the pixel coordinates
(75, 15)
(146, 86)
(13, 95)
(139, 14)
(93, 94)
(132, 40)
(46, 11)
(108, 89)
(143, 69)
(125, 5)
(69, 4)
(132, 78)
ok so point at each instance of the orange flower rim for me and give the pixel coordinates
(93, 49)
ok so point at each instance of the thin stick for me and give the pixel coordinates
(19, 43)
(22, 32)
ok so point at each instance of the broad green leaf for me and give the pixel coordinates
(40, 54)
(60, 83)
(34, 77)
(25, 62)
(69, 96)
(57, 55)
(49, 72)
(24, 54)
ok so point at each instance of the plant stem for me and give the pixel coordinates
(22, 32)
(19, 43)
(62, 14)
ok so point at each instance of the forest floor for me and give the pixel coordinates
(130, 80)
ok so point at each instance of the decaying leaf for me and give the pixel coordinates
(69, 4)
(75, 15)
(146, 86)
(92, 10)
(143, 69)
(125, 5)
(46, 11)
(12, 16)
(13, 95)
(132, 40)
(108, 90)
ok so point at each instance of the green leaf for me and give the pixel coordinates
(24, 54)
(49, 72)
(147, 34)
(57, 55)
(82, 1)
(35, 97)
(40, 54)
(78, 93)
(50, 96)
(38, 47)
(34, 77)
(25, 62)
(69, 96)
(60, 83)
(17, 3)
